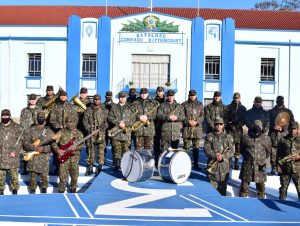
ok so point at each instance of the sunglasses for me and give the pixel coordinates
(218, 124)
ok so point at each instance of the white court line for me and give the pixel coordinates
(206, 208)
(71, 206)
(238, 216)
(84, 206)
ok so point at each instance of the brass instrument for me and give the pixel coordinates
(213, 166)
(50, 103)
(282, 119)
(81, 106)
(287, 158)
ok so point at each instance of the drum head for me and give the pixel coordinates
(180, 167)
(132, 166)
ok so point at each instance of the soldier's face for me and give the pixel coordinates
(97, 102)
(49, 92)
(171, 99)
(192, 98)
(5, 119)
(108, 98)
(160, 94)
(257, 104)
(70, 125)
(237, 99)
(63, 98)
(144, 96)
(83, 95)
(294, 132)
(122, 100)
(217, 98)
(219, 127)
(32, 102)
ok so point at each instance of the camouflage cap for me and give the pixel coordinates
(108, 93)
(63, 93)
(49, 88)
(294, 125)
(218, 121)
(160, 89)
(217, 94)
(192, 92)
(83, 90)
(32, 96)
(170, 92)
(132, 90)
(122, 94)
(5, 112)
(143, 91)
(97, 97)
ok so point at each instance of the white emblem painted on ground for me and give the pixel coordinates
(123, 207)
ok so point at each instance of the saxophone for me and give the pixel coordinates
(287, 158)
(213, 166)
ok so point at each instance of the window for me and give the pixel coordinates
(34, 64)
(267, 69)
(267, 104)
(207, 101)
(212, 67)
(89, 65)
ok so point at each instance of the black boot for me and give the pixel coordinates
(61, 191)
(118, 164)
(196, 157)
(44, 190)
(1, 192)
(89, 170)
(98, 170)
(15, 192)
(32, 192)
(73, 190)
(236, 164)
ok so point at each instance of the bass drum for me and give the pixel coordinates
(137, 165)
(175, 166)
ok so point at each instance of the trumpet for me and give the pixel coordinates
(213, 166)
(81, 106)
(287, 158)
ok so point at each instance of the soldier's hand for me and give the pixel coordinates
(279, 169)
(12, 154)
(192, 123)
(72, 148)
(60, 152)
(295, 157)
(173, 118)
(122, 125)
(219, 157)
(39, 149)
(143, 118)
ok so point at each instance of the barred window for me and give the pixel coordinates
(267, 69)
(267, 104)
(89, 65)
(212, 67)
(34, 64)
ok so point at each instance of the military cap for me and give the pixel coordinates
(160, 89)
(170, 92)
(108, 93)
(217, 94)
(83, 90)
(63, 93)
(32, 96)
(218, 121)
(258, 123)
(192, 92)
(41, 114)
(280, 99)
(236, 95)
(143, 90)
(97, 97)
(49, 88)
(132, 90)
(122, 94)
(5, 112)
(293, 125)
(257, 99)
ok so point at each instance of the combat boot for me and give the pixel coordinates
(196, 157)
(89, 170)
(15, 192)
(118, 164)
(44, 190)
(32, 191)
(236, 164)
(1, 192)
(73, 190)
(98, 170)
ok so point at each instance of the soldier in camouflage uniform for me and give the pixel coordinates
(121, 116)
(83, 97)
(172, 115)
(146, 113)
(214, 110)
(42, 101)
(276, 132)
(255, 148)
(39, 164)
(192, 130)
(11, 138)
(290, 169)
(95, 117)
(236, 121)
(28, 118)
(219, 149)
(71, 165)
(132, 96)
(159, 99)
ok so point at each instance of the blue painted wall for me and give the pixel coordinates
(73, 56)
(227, 59)
(103, 56)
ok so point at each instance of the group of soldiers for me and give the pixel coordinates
(53, 124)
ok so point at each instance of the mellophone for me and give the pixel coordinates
(174, 165)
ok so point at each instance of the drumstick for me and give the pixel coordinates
(175, 149)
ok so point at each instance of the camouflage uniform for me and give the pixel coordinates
(215, 110)
(193, 110)
(217, 143)
(121, 141)
(70, 166)
(9, 136)
(170, 131)
(94, 118)
(291, 169)
(39, 164)
(28, 116)
(255, 150)
(257, 114)
(80, 113)
(144, 135)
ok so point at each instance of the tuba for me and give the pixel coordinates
(49, 104)
(282, 119)
(80, 105)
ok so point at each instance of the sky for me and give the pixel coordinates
(226, 4)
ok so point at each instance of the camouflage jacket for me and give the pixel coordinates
(277, 135)
(289, 145)
(39, 163)
(65, 136)
(213, 111)
(28, 116)
(149, 108)
(236, 120)
(59, 113)
(80, 113)
(255, 152)
(193, 110)
(95, 118)
(257, 114)
(219, 143)
(120, 113)
(9, 136)
(108, 106)
(170, 130)
(158, 123)
(42, 101)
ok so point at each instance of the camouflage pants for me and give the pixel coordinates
(97, 150)
(273, 157)
(14, 180)
(285, 181)
(195, 142)
(144, 142)
(260, 189)
(166, 143)
(33, 180)
(68, 167)
(120, 147)
(221, 186)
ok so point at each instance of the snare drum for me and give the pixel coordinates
(175, 166)
(137, 165)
